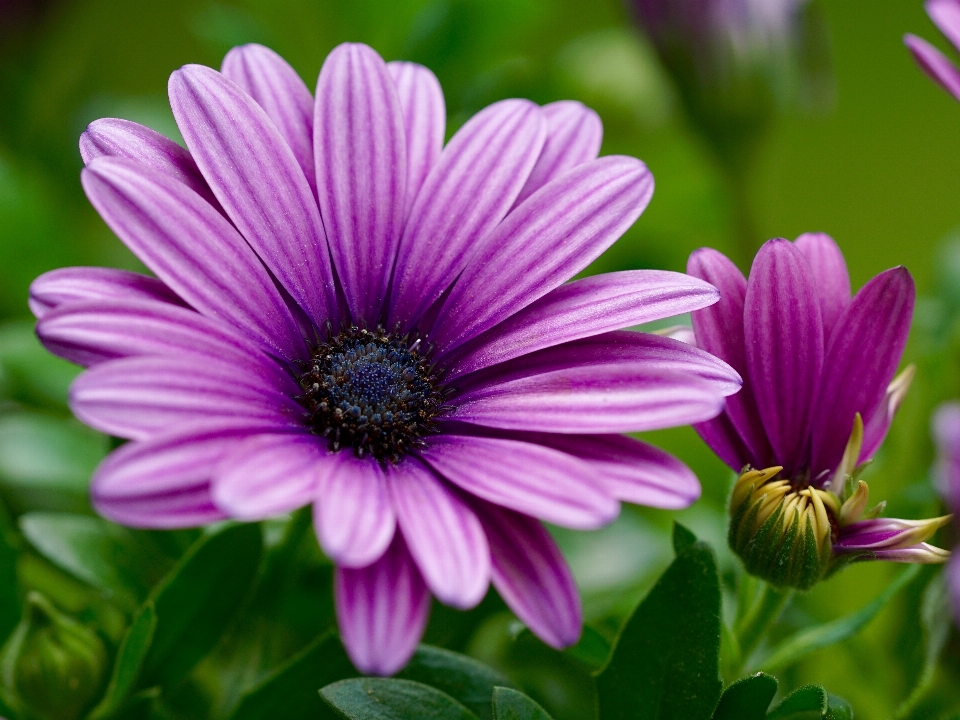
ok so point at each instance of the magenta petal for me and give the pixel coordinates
(254, 174)
(361, 161)
(442, 533)
(721, 437)
(862, 358)
(830, 273)
(424, 121)
(784, 346)
(138, 397)
(353, 516)
(574, 134)
(164, 482)
(529, 478)
(193, 250)
(468, 192)
(946, 15)
(584, 308)
(382, 611)
(531, 575)
(79, 284)
(934, 63)
(551, 237)
(269, 79)
(269, 475)
(719, 330)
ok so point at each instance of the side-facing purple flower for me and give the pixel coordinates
(946, 434)
(818, 398)
(349, 314)
(946, 15)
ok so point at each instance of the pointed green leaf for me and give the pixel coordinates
(682, 538)
(509, 704)
(466, 680)
(665, 664)
(126, 669)
(392, 699)
(294, 685)
(807, 703)
(747, 698)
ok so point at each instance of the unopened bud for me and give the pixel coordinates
(53, 665)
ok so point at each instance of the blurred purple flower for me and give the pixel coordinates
(946, 433)
(946, 15)
(818, 398)
(349, 314)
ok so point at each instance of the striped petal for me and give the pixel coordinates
(830, 274)
(80, 284)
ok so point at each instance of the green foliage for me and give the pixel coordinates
(390, 699)
(509, 704)
(128, 663)
(747, 699)
(811, 702)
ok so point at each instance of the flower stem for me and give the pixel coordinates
(761, 618)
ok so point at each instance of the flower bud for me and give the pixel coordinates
(53, 665)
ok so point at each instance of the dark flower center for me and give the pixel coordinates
(373, 391)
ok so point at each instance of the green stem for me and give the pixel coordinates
(761, 619)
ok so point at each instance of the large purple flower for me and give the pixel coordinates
(946, 15)
(348, 313)
(819, 395)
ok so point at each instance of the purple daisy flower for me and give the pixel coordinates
(946, 16)
(349, 314)
(818, 398)
(946, 433)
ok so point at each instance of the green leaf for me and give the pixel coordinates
(197, 600)
(682, 538)
(10, 610)
(107, 556)
(390, 699)
(293, 686)
(466, 680)
(807, 703)
(665, 664)
(509, 704)
(806, 641)
(747, 698)
(126, 669)
(839, 708)
(592, 649)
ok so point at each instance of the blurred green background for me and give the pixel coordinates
(875, 163)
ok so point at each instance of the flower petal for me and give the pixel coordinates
(784, 347)
(424, 121)
(257, 179)
(830, 274)
(164, 482)
(79, 284)
(574, 134)
(946, 433)
(353, 516)
(361, 159)
(719, 330)
(946, 15)
(138, 397)
(560, 489)
(862, 358)
(531, 575)
(269, 79)
(551, 237)
(268, 475)
(192, 249)
(721, 437)
(934, 63)
(382, 611)
(469, 191)
(442, 534)
(584, 308)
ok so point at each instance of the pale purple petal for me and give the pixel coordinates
(361, 161)
(946, 15)
(257, 179)
(112, 137)
(424, 121)
(830, 273)
(442, 533)
(551, 237)
(465, 195)
(874, 327)
(353, 516)
(192, 249)
(719, 330)
(919, 554)
(138, 397)
(79, 284)
(934, 63)
(529, 478)
(531, 575)
(721, 437)
(574, 134)
(946, 433)
(876, 425)
(269, 475)
(584, 308)
(382, 611)
(269, 79)
(164, 482)
(784, 347)
(887, 533)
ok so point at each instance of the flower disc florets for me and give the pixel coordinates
(371, 391)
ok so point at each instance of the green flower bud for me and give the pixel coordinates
(53, 665)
